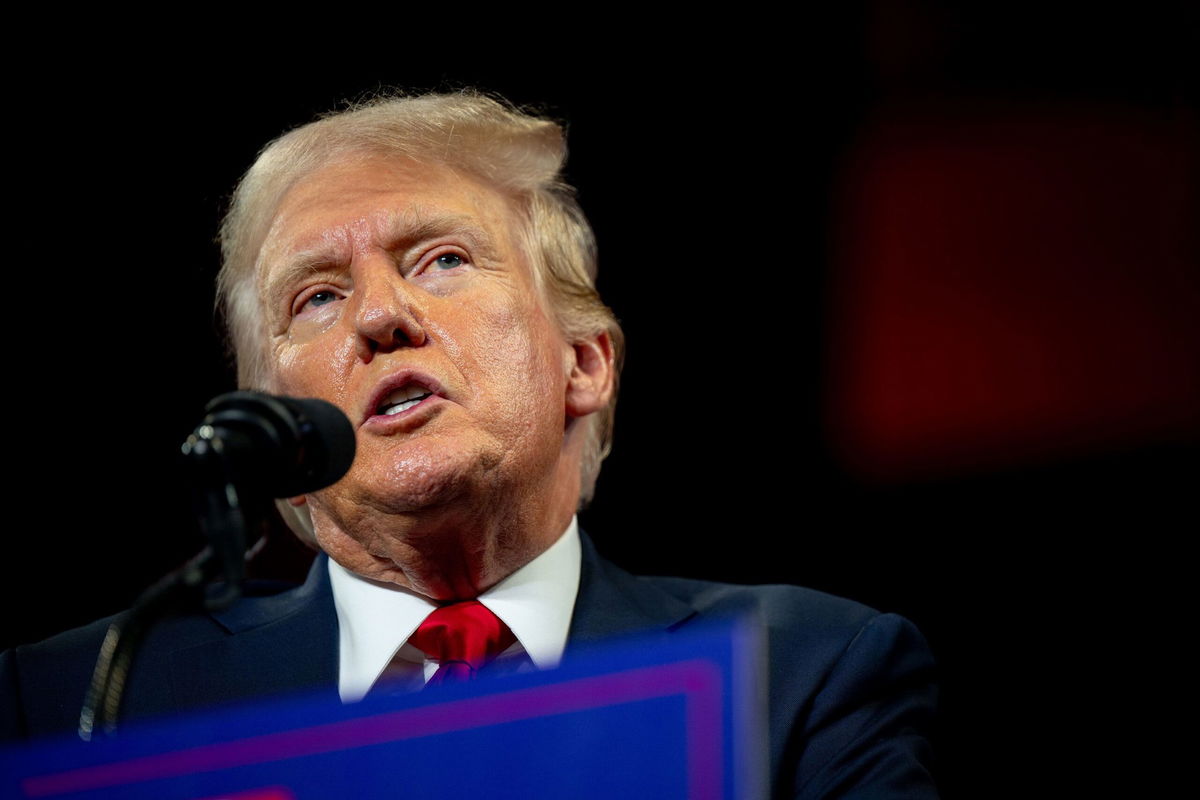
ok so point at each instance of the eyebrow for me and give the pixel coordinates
(413, 226)
(400, 230)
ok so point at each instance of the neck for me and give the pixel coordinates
(449, 553)
(458, 558)
(461, 544)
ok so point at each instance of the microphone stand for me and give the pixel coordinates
(249, 448)
(225, 521)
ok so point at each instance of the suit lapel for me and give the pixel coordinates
(613, 603)
(282, 643)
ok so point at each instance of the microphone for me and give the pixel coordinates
(269, 445)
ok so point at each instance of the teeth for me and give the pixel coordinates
(402, 399)
(396, 409)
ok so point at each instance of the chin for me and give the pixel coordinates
(434, 480)
(422, 477)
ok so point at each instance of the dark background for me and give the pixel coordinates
(752, 183)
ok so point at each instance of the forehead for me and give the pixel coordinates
(371, 200)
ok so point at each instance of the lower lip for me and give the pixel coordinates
(405, 420)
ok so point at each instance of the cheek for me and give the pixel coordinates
(314, 369)
(520, 350)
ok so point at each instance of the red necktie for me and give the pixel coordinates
(462, 638)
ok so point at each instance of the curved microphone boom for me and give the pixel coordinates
(248, 449)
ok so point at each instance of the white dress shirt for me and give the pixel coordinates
(375, 619)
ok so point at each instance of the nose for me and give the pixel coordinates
(387, 316)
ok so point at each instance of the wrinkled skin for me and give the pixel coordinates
(382, 273)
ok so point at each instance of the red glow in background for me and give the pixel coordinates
(1014, 285)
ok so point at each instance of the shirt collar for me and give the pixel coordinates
(536, 601)
(375, 619)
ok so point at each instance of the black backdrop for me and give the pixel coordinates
(706, 161)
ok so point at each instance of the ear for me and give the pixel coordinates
(591, 376)
(298, 500)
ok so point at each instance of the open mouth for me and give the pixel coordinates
(402, 399)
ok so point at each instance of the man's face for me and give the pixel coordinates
(397, 292)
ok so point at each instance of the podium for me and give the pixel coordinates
(670, 717)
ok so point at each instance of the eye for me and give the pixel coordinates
(448, 261)
(321, 298)
(314, 300)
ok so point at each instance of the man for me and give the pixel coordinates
(419, 263)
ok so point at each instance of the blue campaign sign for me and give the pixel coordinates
(675, 717)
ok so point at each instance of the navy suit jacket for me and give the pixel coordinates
(851, 691)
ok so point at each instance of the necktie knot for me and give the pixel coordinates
(462, 638)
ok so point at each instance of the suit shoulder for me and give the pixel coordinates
(42, 685)
(778, 605)
(851, 690)
(65, 644)
(805, 629)
(84, 641)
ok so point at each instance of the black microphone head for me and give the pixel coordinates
(329, 434)
(286, 446)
